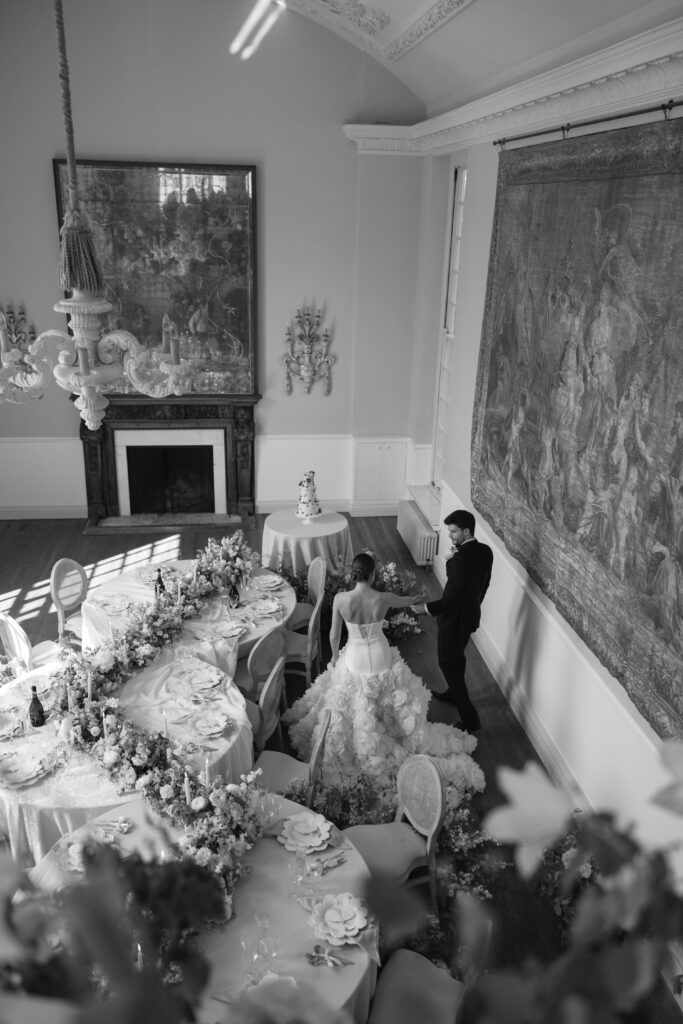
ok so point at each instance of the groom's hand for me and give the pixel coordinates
(419, 609)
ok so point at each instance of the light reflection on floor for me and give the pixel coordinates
(24, 605)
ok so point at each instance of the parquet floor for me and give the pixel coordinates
(29, 548)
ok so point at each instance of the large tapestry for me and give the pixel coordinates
(577, 459)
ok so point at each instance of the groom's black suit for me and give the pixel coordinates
(458, 613)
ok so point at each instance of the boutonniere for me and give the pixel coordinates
(322, 957)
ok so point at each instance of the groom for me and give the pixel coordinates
(458, 611)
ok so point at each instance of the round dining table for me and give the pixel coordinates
(264, 890)
(186, 691)
(293, 543)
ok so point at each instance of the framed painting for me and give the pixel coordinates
(178, 240)
(577, 450)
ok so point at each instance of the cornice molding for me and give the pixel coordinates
(597, 87)
(436, 16)
(349, 19)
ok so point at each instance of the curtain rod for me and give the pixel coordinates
(664, 108)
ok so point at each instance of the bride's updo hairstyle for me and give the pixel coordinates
(362, 568)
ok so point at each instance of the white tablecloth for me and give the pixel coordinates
(292, 543)
(264, 888)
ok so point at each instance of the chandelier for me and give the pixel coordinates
(86, 362)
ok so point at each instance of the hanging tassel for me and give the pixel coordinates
(79, 267)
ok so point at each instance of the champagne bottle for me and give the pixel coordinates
(159, 585)
(36, 713)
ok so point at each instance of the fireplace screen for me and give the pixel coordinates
(172, 479)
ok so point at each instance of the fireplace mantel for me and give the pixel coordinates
(233, 414)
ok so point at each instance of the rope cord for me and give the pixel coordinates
(66, 106)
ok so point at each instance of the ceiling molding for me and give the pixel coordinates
(628, 76)
(347, 18)
(434, 18)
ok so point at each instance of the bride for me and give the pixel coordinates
(378, 706)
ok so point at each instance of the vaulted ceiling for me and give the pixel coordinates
(451, 52)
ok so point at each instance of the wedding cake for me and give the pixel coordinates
(308, 505)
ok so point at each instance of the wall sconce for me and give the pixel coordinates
(307, 357)
(16, 334)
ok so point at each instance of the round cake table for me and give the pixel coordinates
(293, 543)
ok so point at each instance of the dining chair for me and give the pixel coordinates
(280, 771)
(304, 648)
(265, 716)
(410, 987)
(68, 589)
(18, 647)
(397, 849)
(252, 671)
(317, 574)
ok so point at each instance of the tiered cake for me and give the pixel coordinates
(308, 506)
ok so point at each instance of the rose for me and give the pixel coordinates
(143, 781)
(198, 804)
(110, 757)
(166, 792)
(203, 856)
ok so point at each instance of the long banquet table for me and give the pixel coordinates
(199, 666)
(265, 889)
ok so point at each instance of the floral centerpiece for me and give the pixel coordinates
(227, 561)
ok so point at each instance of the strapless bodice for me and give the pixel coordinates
(367, 650)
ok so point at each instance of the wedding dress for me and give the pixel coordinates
(379, 717)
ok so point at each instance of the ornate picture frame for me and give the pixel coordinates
(178, 240)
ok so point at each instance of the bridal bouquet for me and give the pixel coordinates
(227, 561)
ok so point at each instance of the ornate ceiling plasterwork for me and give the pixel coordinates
(368, 27)
(645, 84)
(436, 16)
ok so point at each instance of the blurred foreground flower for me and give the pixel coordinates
(535, 818)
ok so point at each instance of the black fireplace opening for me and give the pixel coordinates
(170, 479)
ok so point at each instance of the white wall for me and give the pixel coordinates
(152, 79)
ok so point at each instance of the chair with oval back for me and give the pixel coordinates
(315, 583)
(265, 716)
(252, 671)
(397, 849)
(19, 649)
(279, 771)
(304, 648)
(68, 588)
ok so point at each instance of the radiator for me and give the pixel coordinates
(421, 540)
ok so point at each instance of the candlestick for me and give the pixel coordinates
(166, 333)
(188, 794)
(104, 727)
(180, 593)
(165, 726)
(206, 771)
(175, 351)
(89, 685)
(196, 569)
(141, 959)
(69, 699)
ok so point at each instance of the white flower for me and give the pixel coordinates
(536, 817)
(408, 724)
(166, 792)
(103, 660)
(338, 918)
(110, 757)
(95, 730)
(203, 855)
(232, 788)
(143, 781)
(198, 804)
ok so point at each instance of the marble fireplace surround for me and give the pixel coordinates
(224, 422)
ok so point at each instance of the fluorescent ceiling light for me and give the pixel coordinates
(258, 23)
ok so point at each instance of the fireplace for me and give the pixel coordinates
(190, 454)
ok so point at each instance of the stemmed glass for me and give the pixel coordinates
(261, 949)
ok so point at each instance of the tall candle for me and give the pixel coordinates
(104, 727)
(4, 337)
(89, 685)
(196, 569)
(165, 725)
(206, 771)
(175, 351)
(69, 699)
(188, 794)
(180, 593)
(141, 959)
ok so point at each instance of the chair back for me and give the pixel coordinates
(269, 704)
(263, 656)
(15, 641)
(316, 762)
(421, 796)
(68, 588)
(313, 644)
(317, 574)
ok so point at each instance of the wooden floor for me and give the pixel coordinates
(29, 548)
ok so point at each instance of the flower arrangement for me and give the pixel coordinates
(566, 872)
(227, 561)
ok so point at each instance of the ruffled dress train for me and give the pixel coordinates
(378, 717)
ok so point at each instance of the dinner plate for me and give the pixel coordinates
(229, 630)
(209, 723)
(203, 677)
(268, 583)
(265, 606)
(305, 832)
